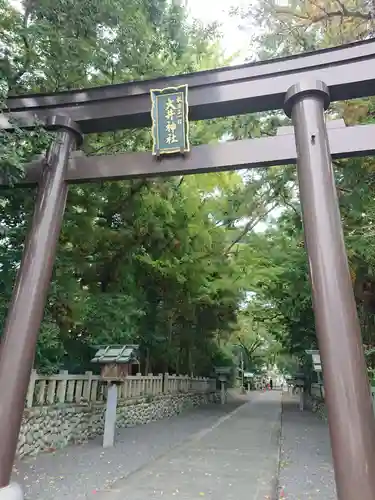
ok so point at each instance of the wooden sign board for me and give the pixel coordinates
(223, 370)
(170, 125)
(315, 354)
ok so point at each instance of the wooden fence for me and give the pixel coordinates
(80, 389)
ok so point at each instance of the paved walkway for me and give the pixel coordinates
(227, 452)
(220, 452)
(306, 471)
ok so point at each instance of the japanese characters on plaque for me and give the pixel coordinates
(170, 126)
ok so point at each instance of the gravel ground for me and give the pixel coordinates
(78, 472)
(306, 471)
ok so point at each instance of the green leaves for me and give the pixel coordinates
(280, 273)
(142, 261)
(169, 263)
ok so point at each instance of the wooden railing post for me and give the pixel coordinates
(31, 389)
(51, 390)
(87, 386)
(61, 389)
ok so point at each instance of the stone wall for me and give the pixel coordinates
(48, 428)
(317, 406)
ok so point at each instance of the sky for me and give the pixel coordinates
(218, 10)
(233, 39)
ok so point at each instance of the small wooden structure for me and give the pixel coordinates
(223, 373)
(299, 383)
(248, 377)
(118, 361)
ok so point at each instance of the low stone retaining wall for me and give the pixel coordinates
(49, 428)
(317, 406)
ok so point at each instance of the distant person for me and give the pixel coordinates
(271, 384)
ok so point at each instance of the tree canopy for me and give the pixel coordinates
(292, 27)
(190, 268)
(147, 261)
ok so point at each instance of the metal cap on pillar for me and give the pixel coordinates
(303, 89)
(58, 122)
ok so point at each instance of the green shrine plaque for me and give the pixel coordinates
(170, 126)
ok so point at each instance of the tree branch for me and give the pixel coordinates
(248, 227)
(325, 14)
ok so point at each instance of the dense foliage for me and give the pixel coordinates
(148, 261)
(199, 270)
(284, 294)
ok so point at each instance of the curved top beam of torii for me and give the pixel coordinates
(349, 72)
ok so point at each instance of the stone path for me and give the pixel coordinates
(79, 471)
(218, 452)
(236, 459)
(306, 471)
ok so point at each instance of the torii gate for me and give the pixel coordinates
(294, 84)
